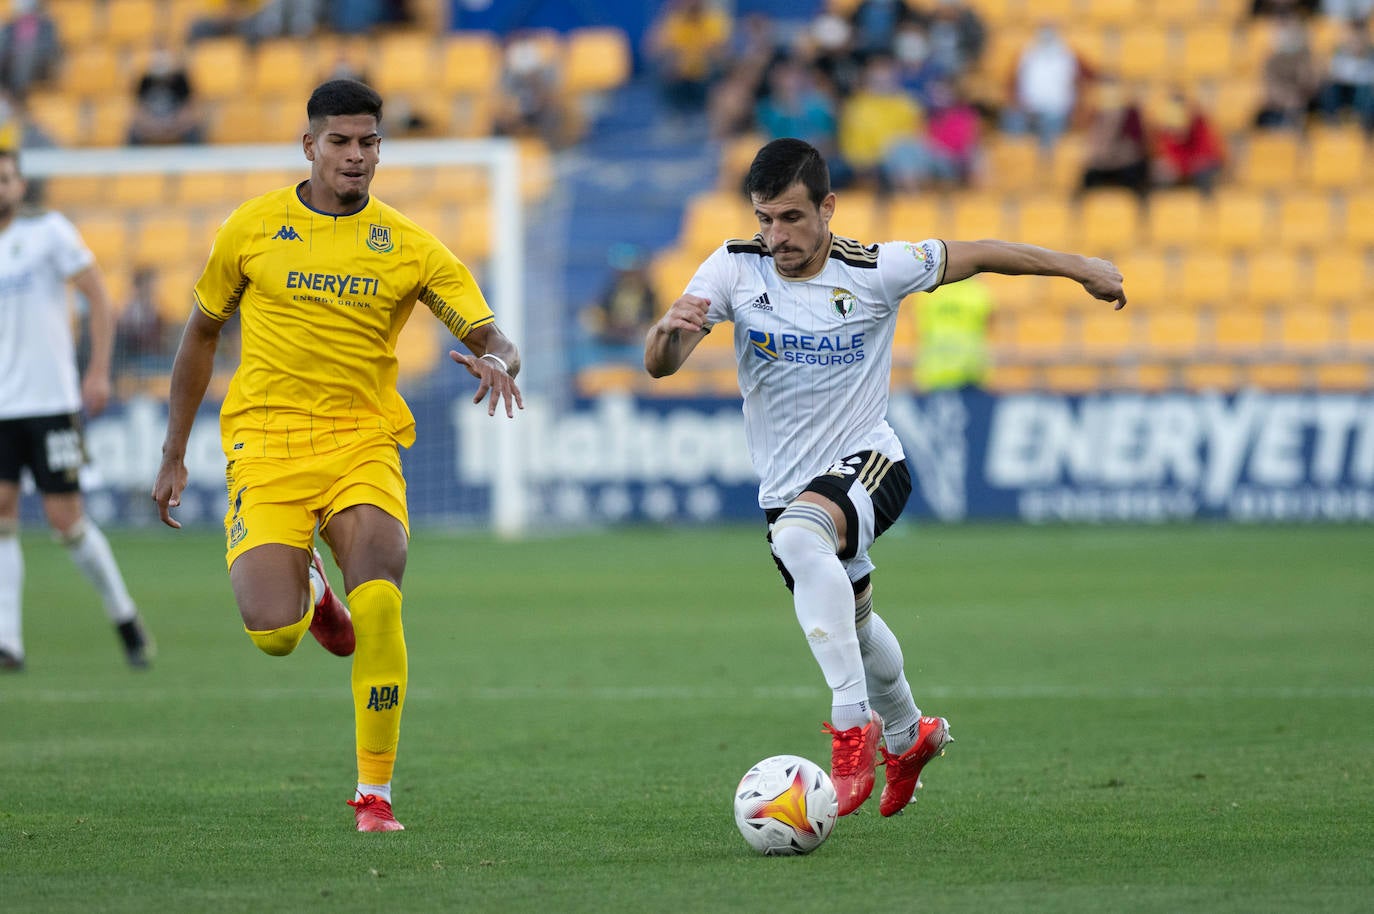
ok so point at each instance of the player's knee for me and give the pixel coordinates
(802, 534)
(278, 642)
(9, 526)
(72, 534)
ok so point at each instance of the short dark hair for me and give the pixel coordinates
(9, 152)
(784, 162)
(342, 97)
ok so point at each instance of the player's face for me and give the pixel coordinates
(11, 188)
(795, 230)
(343, 156)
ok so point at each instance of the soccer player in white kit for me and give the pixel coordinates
(814, 316)
(41, 399)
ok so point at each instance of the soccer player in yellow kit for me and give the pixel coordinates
(324, 276)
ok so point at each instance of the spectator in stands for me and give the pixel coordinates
(1351, 11)
(1118, 148)
(916, 63)
(734, 97)
(957, 36)
(1188, 150)
(796, 106)
(876, 24)
(165, 109)
(1349, 82)
(1046, 86)
(256, 20)
(530, 104)
(617, 322)
(880, 127)
(688, 47)
(1289, 77)
(142, 337)
(30, 49)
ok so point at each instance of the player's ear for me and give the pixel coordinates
(828, 206)
(308, 146)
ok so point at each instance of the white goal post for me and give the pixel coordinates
(498, 156)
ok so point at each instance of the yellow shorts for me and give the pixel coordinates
(273, 500)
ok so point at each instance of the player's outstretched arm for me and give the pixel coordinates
(191, 370)
(1099, 277)
(494, 362)
(672, 339)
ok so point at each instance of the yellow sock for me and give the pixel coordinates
(379, 677)
(281, 641)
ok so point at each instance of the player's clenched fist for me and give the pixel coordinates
(687, 313)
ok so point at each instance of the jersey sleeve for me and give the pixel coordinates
(223, 281)
(715, 280)
(70, 254)
(448, 290)
(910, 266)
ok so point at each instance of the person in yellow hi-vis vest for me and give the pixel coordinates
(953, 323)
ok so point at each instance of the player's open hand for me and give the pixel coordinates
(492, 378)
(687, 313)
(167, 489)
(1104, 282)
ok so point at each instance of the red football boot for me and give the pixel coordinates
(852, 753)
(904, 771)
(374, 814)
(332, 625)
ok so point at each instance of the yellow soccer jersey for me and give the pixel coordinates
(322, 300)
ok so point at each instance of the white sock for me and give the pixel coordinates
(888, 689)
(317, 585)
(381, 791)
(91, 552)
(804, 539)
(11, 591)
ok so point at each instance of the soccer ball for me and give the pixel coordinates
(785, 806)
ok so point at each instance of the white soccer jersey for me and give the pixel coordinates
(815, 355)
(38, 256)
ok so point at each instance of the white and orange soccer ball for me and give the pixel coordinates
(785, 806)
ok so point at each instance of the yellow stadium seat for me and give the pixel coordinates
(237, 120)
(137, 189)
(737, 154)
(1091, 41)
(61, 116)
(1305, 220)
(79, 22)
(218, 68)
(1013, 378)
(1359, 219)
(1336, 158)
(1039, 332)
(978, 216)
(1148, 278)
(417, 347)
(209, 188)
(106, 233)
(474, 231)
(1206, 277)
(669, 273)
(1048, 221)
(914, 217)
(1109, 220)
(1206, 375)
(470, 63)
(1234, 102)
(1012, 163)
(1181, 12)
(176, 285)
(1145, 52)
(1207, 52)
(1106, 332)
(1359, 328)
(857, 215)
(404, 62)
(1306, 330)
(597, 59)
(133, 22)
(165, 238)
(73, 191)
(1270, 160)
(1239, 329)
(92, 70)
(1276, 375)
(1018, 293)
(1273, 277)
(1242, 219)
(108, 120)
(1351, 376)
(1176, 218)
(1074, 377)
(1116, 13)
(284, 67)
(713, 217)
(1173, 331)
(1066, 163)
(1340, 276)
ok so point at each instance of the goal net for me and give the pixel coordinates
(150, 214)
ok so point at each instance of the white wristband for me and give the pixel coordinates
(498, 360)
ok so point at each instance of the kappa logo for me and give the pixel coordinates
(761, 303)
(287, 233)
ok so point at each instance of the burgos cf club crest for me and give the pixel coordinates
(843, 301)
(379, 238)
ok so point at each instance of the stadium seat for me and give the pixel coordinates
(1340, 276)
(91, 70)
(1149, 278)
(74, 191)
(976, 216)
(404, 62)
(1181, 12)
(108, 119)
(1012, 162)
(1359, 328)
(1274, 277)
(281, 67)
(218, 68)
(210, 189)
(105, 233)
(1041, 332)
(1074, 377)
(1208, 375)
(1173, 331)
(858, 215)
(474, 232)
(1206, 277)
(1017, 293)
(915, 217)
(1242, 219)
(165, 238)
(176, 286)
(597, 59)
(136, 190)
(1336, 158)
(1046, 220)
(130, 23)
(1206, 52)
(79, 22)
(1270, 160)
(1092, 42)
(61, 116)
(1306, 330)
(418, 346)
(712, 217)
(1109, 220)
(470, 63)
(1353, 376)
(1233, 103)
(1237, 330)
(1145, 53)
(1359, 219)
(1115, 13)
(1176, 218)
(1276, 375)
(669, 272)
(736, 155)
(1108, 333)
(1066, 164)
(1305, 220)
(1005, 378)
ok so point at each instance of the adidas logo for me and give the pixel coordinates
(761, 303)
(818, 635)
(287, 233)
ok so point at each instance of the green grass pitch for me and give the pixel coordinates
(1163, 719)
